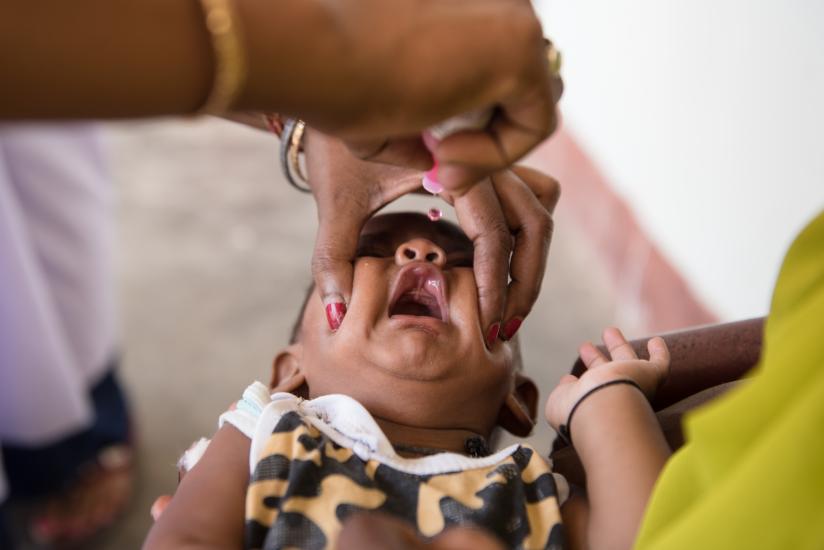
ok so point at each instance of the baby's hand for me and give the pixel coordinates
(625, 365)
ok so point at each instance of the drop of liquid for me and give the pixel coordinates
(435, 214)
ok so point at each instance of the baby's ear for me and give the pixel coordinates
(287, 375)
(517, 414)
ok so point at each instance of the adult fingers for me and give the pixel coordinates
(516, 128)
(531, 224)
(480, 216)
(377, 530)
(545, 188)
(343, 203)
(335, 247)
(591, 356)
(407, 152)
(461, 538)
(619, 348)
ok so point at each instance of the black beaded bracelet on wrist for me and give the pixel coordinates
(564, 430)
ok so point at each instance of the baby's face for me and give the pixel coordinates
(411, 347)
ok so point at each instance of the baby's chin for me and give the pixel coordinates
(416, 355)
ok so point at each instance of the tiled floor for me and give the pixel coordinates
(213, 255)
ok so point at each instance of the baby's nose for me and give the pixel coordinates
(420, 250)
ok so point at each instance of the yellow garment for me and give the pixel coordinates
(752, 473)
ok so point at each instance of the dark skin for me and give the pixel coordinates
(431, 383)
(508, 218)
(427, 383)
(373, 74)
(363, 70)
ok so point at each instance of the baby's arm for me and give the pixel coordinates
(207, 509)
(617, 438)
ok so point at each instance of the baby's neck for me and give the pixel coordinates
(412, 441)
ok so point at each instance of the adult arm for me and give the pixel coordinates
(363, 70)
(702, 358)
(705, 362)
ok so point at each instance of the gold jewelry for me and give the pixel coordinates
(290, 144)
(553, 55)
(223, 25)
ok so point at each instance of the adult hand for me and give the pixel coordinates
(369, 70)
(467, 156)
(347, 192)
(380, 530)
(508, 213)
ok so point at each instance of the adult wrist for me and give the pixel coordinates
(293, 59)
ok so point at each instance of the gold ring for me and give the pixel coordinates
(290, 144)
(553, 56)
(294, 149)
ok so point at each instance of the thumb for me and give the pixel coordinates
(332, 262)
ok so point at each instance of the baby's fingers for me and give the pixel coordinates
(619, 348)
(591, 357)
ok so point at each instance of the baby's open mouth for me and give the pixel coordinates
(419, 291)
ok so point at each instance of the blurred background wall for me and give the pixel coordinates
(705, 119)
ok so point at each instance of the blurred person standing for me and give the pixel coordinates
(64, 428)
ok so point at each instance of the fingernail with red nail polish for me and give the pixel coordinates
(430, 181)
(334, 314)
(512, 327)
(492, 334)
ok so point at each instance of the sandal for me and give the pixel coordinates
(93, 502)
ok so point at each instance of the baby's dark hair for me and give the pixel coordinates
(294, 336)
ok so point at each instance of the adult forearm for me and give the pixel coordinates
(623, 451)
(102, 58)
(133, 58)
(703, 357)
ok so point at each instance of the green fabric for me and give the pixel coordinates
(752, 473)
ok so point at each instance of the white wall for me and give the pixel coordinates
(708, 117)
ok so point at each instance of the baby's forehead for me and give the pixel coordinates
(396, 228)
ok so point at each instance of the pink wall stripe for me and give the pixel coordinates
(652, 295)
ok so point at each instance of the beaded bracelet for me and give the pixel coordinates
(224, 29)
(564, 430)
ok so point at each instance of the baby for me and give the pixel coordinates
(394, 412)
